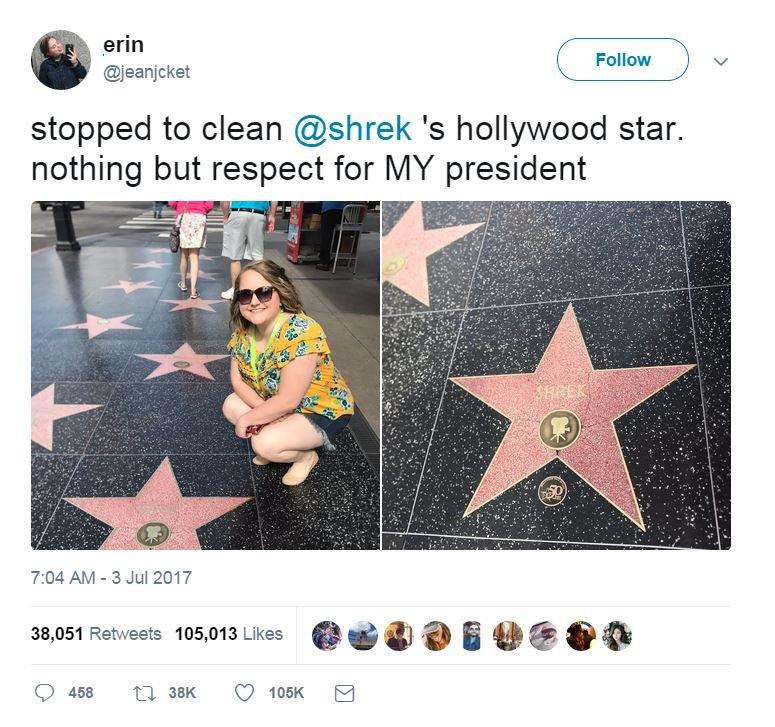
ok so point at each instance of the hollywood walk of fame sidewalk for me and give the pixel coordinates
(128, 377)
(570, 381)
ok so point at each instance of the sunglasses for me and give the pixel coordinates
(245, 296)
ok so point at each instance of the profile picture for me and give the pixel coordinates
(472, 636)
(543, 636)
(362, 635)
(398, 635)
(580, 635)
(436, 636)
(617, 636)
(507, 635)
(60, 60)
(326, 635)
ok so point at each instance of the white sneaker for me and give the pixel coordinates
(228, 294)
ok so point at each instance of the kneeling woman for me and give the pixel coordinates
(285, 384)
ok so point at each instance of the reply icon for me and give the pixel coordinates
(44, 692)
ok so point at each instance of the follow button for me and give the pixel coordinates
(622, 59)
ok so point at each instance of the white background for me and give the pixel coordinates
(280, 60)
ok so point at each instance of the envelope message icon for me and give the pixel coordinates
(344, 693)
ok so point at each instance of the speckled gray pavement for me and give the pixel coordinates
(127, 424)
(650, 286)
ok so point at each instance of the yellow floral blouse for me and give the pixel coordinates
(299, 335)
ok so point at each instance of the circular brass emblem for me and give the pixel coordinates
(181, 364)
(392, 266)
(559, 429)
(552, 491)
(152, 534)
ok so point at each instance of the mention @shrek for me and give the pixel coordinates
(314, 130)
(119, 73)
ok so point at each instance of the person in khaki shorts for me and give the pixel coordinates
(243, 234)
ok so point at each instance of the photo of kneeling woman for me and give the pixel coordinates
(288, 396)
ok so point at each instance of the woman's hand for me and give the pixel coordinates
(241, 427)
(73, 57)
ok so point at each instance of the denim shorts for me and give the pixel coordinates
(328, 428)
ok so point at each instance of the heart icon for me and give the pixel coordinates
(244, 691)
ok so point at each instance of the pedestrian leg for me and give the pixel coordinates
(194, 260)
(183, 268)
(234, 270)
(328, 221)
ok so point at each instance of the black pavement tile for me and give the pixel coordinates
(450, 269)
(712, 322)
(95, 253)
(138, 240)
(207, 288)
(73, 529)
(433, 542)
(637, 330)
(79, 283)
(662, 440)
(68, 359)
(543, 251)
(337, 507)
(189, 324)
(49, 477)
(708, 234)
(392, 541)
(416, 355)
(46, 316)
(166, 418)
(73, 280)
(197, 476)
(239, 529)
(71, 433)
(76, 281)
(139, 368)
(114, 301)
(138, 319)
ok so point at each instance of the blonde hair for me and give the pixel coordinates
(276, 277)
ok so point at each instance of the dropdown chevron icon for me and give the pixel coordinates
(720, 62)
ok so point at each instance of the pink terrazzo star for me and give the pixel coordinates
(45, 412)
(129, 287)
(154, 264)
(566, 380)
(157, 250)
(209, 258)
(97, 325)
(407, 247)
(202, 275)
(196, 303)
(160, 501)
(184, 359)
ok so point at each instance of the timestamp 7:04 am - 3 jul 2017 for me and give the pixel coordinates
(93, 578)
